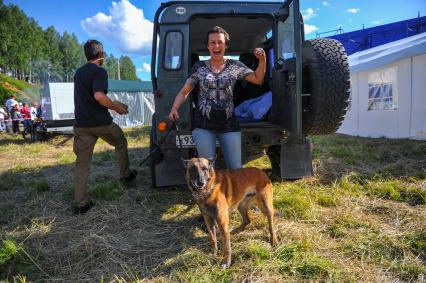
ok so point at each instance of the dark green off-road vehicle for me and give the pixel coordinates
(309, 81)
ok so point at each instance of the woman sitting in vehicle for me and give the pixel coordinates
(214, 115)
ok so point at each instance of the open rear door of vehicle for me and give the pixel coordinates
(286, 112)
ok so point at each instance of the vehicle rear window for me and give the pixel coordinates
(173, 50)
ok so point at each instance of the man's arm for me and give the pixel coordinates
(104, 100)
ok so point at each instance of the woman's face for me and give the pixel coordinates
(216, 45)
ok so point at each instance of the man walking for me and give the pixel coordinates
(93, 121)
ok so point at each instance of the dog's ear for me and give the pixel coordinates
(184, 162)
(212, 162)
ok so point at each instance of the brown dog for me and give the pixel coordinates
(219, 192)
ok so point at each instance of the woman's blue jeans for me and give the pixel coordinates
(230, 143)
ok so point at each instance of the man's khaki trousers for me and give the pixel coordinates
(84, 143)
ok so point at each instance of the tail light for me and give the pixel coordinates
(162, 126)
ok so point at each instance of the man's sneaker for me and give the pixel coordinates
(83, 209)
(127, 180)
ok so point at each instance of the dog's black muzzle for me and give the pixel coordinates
(198, 184)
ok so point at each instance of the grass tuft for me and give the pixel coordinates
(327, 200)
(396, 190)
(8, 251)
(314, 267)
(409, 272)
(293, 201)
(259, 252)
(345, 225)
(374, 247)
(294, 206)
(38, 185)
(417, 243)
(106, 190)
(297, 259)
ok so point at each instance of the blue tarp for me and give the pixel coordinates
(254, 109)
(359, 40)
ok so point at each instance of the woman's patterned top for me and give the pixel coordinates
(215, 106)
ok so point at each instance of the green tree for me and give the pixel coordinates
(15, 56)
(72, 54)
(54, 56)
(36, 47)
(5, 36)
(127, 69)
(111, 65)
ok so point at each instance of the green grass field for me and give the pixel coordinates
(361, 218)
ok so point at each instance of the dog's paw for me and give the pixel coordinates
(213, 254)
(225, 264)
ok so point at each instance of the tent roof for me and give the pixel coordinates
(129, 86)
(388, 53)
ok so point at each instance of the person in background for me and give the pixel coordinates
(3, 116)
(33, 110)
(26, 115)
(10, 103)
(93, 121)
(16, 118)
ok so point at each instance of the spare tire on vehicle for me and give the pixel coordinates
(326, 79)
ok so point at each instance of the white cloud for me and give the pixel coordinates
(325, 3)
(310, 28)
(146, 68)
(376, 22)
(308, 14)
(125, 27)
(352, 10)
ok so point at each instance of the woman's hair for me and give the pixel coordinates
(217, 29)
(93, 49)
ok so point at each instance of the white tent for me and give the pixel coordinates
(388, 97)
(57, 104)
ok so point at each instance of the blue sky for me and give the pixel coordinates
(125, 26)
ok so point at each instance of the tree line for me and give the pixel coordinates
(27, 52)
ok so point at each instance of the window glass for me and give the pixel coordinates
(380, 97)
(286, 48)
(173, 51)
(382, 89)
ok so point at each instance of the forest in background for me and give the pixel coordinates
(36, 55)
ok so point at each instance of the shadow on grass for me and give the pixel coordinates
(131, 232)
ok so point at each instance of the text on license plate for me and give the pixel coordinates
(186, 140)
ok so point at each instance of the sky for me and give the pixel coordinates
(125, 26)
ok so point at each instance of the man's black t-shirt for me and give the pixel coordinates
(89, 79)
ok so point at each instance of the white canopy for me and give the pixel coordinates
(387, 53)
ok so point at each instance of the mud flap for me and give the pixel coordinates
(170, 171)
(296, 160)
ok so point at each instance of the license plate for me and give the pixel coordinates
(185, 140)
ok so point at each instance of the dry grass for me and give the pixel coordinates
(362, 217)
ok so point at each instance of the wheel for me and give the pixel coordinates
(28, 134)
(326, 78)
